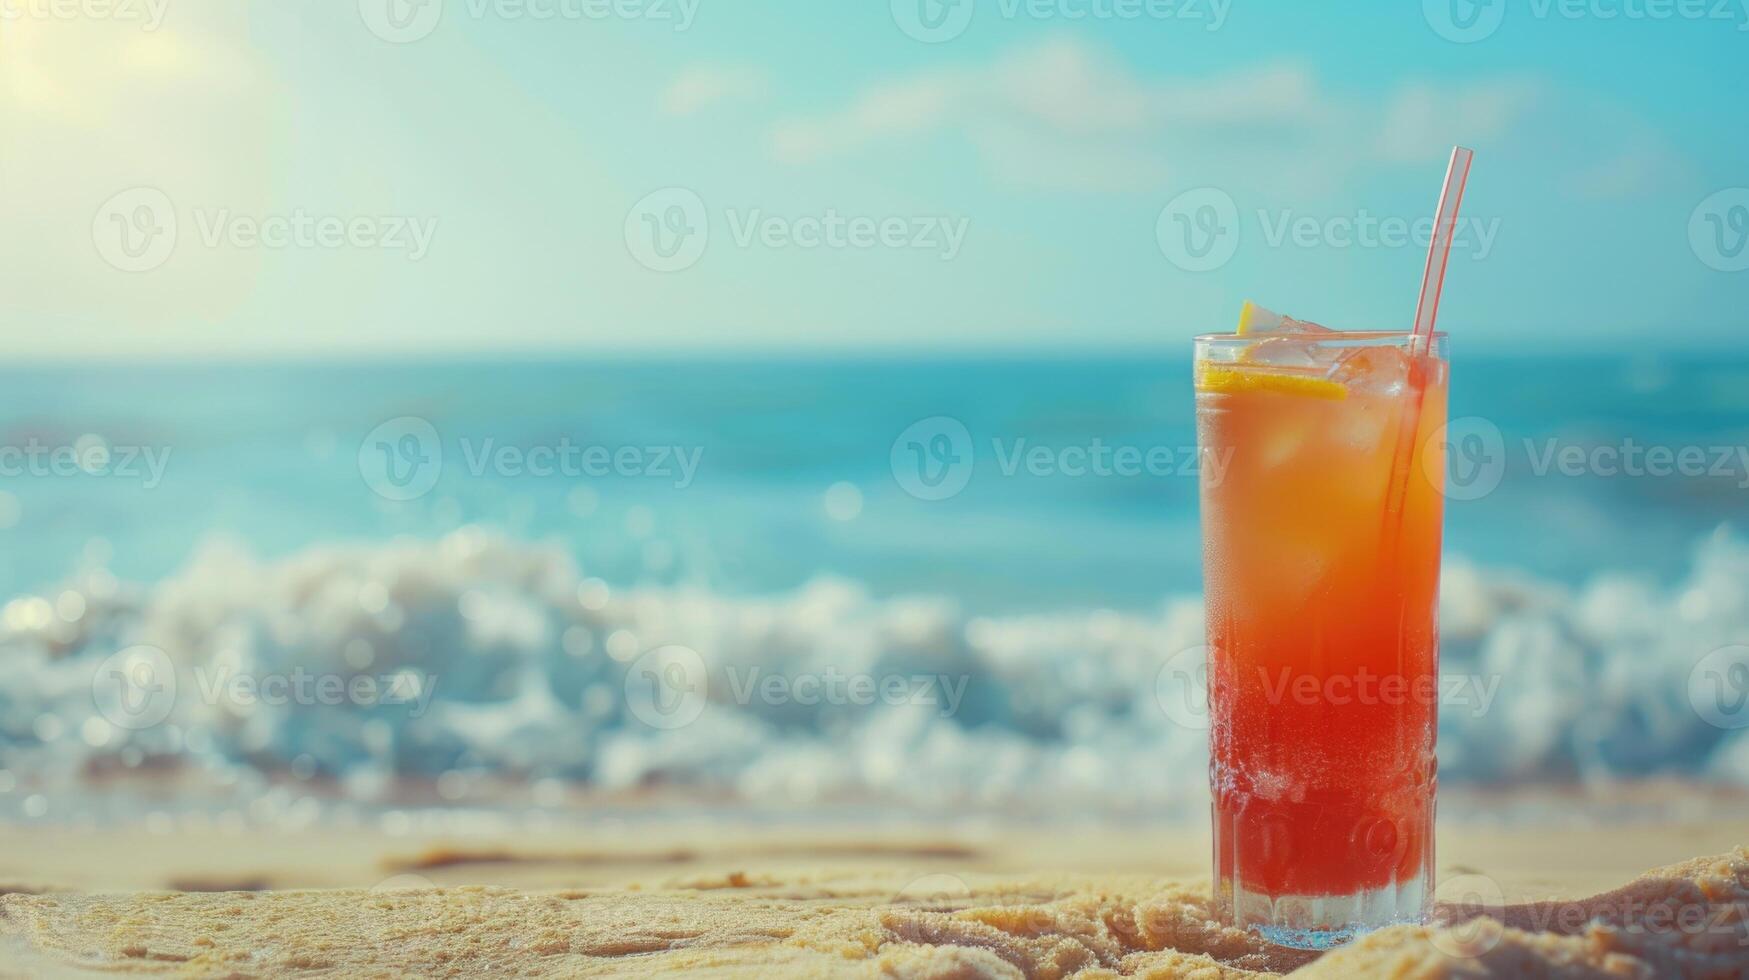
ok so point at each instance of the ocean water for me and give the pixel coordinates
(802, 581)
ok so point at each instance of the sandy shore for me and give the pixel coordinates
(967, 903)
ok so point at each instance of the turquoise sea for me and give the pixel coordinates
(518, 535)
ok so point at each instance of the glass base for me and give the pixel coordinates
(1320, 922)
(1316, 872)
(1315, 939)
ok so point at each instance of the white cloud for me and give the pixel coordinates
(1628, 172)
(700, 87)
(1421, 118)
(1619, 154)
(1019, 157)
(1068, 115)
(1062, 90)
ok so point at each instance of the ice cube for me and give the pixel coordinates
(1282, 340)
(1373, 370)
(1285, 351)
(1291, 325)
(1365, 426)
(1281, 441)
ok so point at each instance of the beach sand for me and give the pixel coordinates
(637, 901)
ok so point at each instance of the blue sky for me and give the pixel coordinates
(488, 179)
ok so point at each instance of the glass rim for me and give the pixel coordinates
(1349, 335)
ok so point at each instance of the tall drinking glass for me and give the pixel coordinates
(1321, 519)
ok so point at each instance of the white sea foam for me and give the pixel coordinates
(518, 666)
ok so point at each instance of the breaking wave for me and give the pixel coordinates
(476, 654)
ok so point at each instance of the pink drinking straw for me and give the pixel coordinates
(1426, 311)
(1451, 197)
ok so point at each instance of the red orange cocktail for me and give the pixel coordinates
(1321, 544)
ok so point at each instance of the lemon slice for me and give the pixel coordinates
(1256, 319)
(1228, 381)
